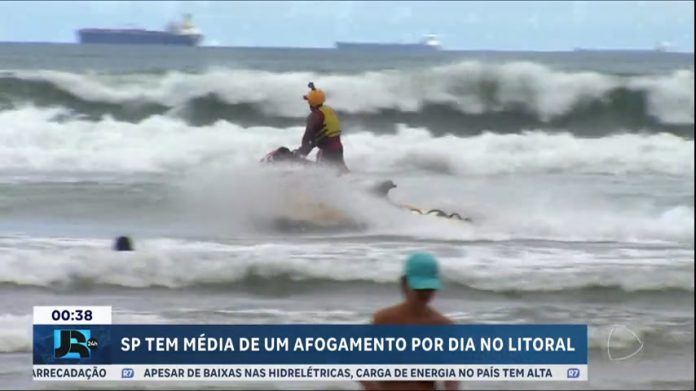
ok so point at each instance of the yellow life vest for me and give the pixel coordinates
(332, 126)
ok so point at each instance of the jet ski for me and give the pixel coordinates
(283, 155)
(300, 215)
(306, 217)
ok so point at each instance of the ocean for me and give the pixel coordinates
(576, 170)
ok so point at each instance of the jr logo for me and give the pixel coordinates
(73, 344)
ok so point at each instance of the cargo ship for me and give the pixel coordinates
(429, 43)
(182, 34)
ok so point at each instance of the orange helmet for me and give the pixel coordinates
(315, 97)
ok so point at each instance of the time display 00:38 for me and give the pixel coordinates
(66, 315)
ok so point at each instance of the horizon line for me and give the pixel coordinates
(442, 49)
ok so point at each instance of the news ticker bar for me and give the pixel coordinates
(310, 372)
(310, 344)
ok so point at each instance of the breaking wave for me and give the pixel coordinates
(50, 141)
(80, 263)
(461, 99)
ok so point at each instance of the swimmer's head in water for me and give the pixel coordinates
(123, 243)
(421, 277)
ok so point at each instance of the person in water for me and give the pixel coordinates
(323, 131)
(123, 243)
(419, 282)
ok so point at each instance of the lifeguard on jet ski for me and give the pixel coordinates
(323, 131)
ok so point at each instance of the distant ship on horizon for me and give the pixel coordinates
(429, 43)
(660, 46)
(181, 34)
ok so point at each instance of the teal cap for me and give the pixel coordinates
(422, 272)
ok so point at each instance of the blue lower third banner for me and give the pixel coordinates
(310, 352)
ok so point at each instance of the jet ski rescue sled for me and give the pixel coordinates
(382, 190)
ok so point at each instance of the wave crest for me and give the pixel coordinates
(461, 98)
(44, 141)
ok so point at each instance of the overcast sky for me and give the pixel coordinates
(515, 25)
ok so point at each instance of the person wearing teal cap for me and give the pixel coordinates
(422, 272)
(419, 282)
